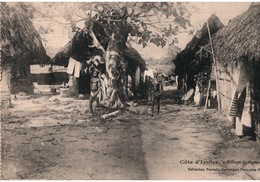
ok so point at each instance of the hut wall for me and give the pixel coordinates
(256, 109)
(225, 89)
(5, 86)
(46, 75)
(232, 79)
(21, 79)
(228, 79)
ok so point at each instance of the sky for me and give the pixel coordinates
(224, 10)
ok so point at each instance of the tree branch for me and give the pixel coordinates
(49, 17)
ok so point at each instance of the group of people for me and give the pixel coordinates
(98, 81)
(155, 88)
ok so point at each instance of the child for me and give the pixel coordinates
(95, 87)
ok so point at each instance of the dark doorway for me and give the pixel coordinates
(84, 83)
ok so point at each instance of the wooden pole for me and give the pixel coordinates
(225, 82)
(105, 116)
(216, 67)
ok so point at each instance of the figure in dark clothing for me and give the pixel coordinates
(157, 89)
(148, 88)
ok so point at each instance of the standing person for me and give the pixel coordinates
(95, 87)
(157, 89)
(148, 87)
(197, 95)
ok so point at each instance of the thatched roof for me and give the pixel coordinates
(240, 38)
(202, 36)
(19, 39)
(62, 57)
(188, 55)
(78, 48)
(133, 57)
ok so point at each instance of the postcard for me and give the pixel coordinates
(130, 90)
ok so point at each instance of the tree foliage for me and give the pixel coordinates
(149, 22)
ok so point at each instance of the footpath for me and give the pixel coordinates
(46, 138)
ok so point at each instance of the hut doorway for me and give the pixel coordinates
(84, 83)
(212, 100)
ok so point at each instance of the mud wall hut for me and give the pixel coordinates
(80, 50)
(136, 66)
(237, 50)
(195, 61)
(21, 46)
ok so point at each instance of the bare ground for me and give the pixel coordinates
(50, 137)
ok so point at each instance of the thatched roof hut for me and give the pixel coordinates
(21, 46)
(134, 58)
(186, 57)
(240, 38)
(19, 39)
(237, 52)
(194, 61)
(136, 65)
(79, 48)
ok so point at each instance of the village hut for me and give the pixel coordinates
(194, 63)
(136, 66)
(80, 50)
(237, 52)
(21, 46)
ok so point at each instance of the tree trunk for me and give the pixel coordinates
(116, 75)
(73, 90)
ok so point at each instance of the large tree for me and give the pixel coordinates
(144, 22)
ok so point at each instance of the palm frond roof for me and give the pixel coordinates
(19, 39)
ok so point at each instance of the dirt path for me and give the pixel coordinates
(185, 143)
(174, 142)
(55, 139)
(67, 143)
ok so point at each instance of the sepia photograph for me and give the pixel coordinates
(130, 90)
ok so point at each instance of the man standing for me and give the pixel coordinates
(197, 95)
(157, 89)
